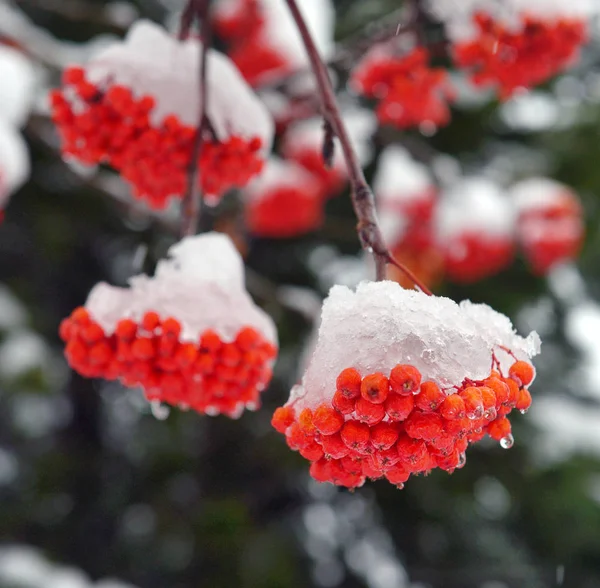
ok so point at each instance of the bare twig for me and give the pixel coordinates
(363, 200)
(196, 9)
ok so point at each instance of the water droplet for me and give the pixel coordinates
(211, 410)
(507, 442)
(183, 406)
(490, 414)
(462, 460)
(400, 486)
(523, 411)
(159, 410)
(476, 414)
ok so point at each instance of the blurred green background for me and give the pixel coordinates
(93, 480)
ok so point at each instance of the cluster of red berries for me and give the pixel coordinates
(553, 233)
(410, 92)
(332, 179)
(113, 126)
(286, 211)
(473, 256)
(510, 60)
(209, 375)
(378, 426)
(238, 20)
(243, 27)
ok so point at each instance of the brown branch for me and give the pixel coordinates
(192, 200)
(363, 200)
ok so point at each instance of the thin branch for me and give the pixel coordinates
(363, 200)
(199, 10)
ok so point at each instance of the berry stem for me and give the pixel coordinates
(363, 200)
(192, 200)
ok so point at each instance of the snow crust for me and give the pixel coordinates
(201, 284)
(151, 62)
(308, 134)
(457, 13)
(17, 87)
(381, 324)
(14, 161)
(400, 179)
(539, 193)
(474, 204)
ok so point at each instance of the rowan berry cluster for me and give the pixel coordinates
(208, 375)
(392, 426)
(408, 90)
(433, 236)
(114, 126)
(510, 59)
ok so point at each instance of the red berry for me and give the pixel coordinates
(399, 407)
(522, 372)
(375, 388)
(283, 417)
(430, 397)
(405, 379)
(349, 382)
(327, 420)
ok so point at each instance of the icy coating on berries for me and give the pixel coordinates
(152, 63)
(14, 161)
(201, 284)
(382, 324)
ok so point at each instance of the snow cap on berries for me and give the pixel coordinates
(400, 178)
(152, 63)
(474, 204)
(17, 88)
(190, 336)
(14, 161)
(381, 324)
(550, 222)
(475, 226)
(286, 200)
(201, 284)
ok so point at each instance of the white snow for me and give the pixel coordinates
(201, 284)
(474, 204)
(381, 324)
(151, 62)
(400, 178)
(540, 193)
(17, 87)
(14, 161)
(280, 174)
